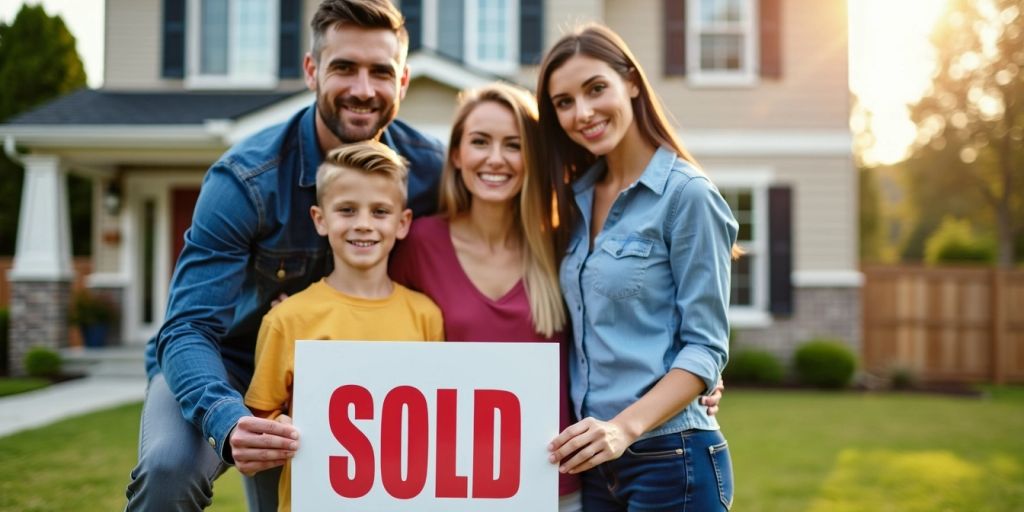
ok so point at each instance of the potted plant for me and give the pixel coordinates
(93, 315)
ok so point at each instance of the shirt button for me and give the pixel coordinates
(212, 441)
(280, 273)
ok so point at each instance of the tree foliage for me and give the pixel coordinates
(968, 160)
(38, 62)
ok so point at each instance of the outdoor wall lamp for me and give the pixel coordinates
(112, 197)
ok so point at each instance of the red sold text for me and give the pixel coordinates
(352, 402)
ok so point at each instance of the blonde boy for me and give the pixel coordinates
(361, 193)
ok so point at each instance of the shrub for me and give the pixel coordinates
(90, 309)
(954, 241)
(753, 367)
(42, 362)
(5, 326)
(825, 364)
(902, 378)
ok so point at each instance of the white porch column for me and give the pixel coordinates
(41, 276)
(43, 250)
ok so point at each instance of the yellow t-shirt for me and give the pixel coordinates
(321, 312)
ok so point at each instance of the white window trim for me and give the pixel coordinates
(757, 180)
(471, 38)
(195, 80)
(747, 76)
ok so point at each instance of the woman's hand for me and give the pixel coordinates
(711, 401)
(588, 443)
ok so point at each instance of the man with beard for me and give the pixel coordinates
(252, 240)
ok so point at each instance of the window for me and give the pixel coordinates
(232, 43)
(481, 33)
(746, 191)
(721, 42)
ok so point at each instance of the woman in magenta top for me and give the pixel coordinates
(493, 279)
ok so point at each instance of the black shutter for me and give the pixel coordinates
(771, 46)
(675, 37)
(173, 61)
(289, 51)
(413, 12)
(450, 20)
(780, 250)
(531, 31)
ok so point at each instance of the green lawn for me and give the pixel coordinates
(793, 451)
(15, 385)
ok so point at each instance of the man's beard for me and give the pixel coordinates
(330, 113)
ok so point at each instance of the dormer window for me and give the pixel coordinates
(232, 43)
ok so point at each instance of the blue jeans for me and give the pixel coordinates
(176, 467)
(686, 471)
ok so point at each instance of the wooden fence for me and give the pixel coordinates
(944, 324)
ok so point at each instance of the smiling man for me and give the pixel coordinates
(251, 240)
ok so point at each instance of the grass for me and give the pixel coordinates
(15, 385)
(792, 451)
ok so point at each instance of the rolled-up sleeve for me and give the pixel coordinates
(702, 231)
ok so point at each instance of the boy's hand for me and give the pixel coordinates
(258, 444)
(279, 299)
(711, 401)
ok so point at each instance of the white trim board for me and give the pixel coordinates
(827, 279)
(733, 143)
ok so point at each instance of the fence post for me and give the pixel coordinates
(998, 328)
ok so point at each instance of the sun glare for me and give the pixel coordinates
(891, 62)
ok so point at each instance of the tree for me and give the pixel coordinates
(970, 147)
(38, 62)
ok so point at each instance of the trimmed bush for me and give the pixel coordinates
(753, 367)
(42, 362)
(5, 326)
(955, 241)
(825, 364)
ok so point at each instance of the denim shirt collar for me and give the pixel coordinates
(654, 177)
(310, 156)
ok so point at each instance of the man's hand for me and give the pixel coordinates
(258, 444)
(711, 401)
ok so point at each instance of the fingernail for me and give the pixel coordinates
(551, 458)
(294, 435)
(293, 446)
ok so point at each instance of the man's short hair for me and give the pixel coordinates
(369, 157)
(374, 14)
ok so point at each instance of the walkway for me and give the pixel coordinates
(107, 385)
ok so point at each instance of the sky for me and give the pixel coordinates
(890, 58)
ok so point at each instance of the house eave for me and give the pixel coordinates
(44, 137)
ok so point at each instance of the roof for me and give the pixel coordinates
(100, 107)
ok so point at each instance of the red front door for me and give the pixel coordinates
(183, 201)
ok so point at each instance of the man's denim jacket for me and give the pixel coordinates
(251, 240)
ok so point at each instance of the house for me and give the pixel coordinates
(759, 88)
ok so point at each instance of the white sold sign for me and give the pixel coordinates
(395, 426)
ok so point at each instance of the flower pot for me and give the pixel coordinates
(95, 335)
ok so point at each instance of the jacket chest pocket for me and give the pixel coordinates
(622, 265)
(286, 272)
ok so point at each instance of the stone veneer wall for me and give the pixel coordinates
(39, 318)
(818, 312)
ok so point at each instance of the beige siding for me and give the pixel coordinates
(133, 48)
(824, 206)
(813, 92)
(428, 103)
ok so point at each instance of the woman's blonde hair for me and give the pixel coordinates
(533, 209)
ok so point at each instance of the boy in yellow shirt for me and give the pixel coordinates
(361, 193)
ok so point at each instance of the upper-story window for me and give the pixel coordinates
(232, 43)
(722, 42)
(481, 33)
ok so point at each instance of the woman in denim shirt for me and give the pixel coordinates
(648, 242)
